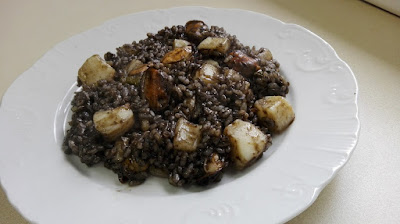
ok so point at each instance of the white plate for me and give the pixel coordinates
(47, 186)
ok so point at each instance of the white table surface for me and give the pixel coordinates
(367, 189)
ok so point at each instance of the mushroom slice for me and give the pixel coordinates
(178, 54)
(179, 43)
(247, 142)
(213, 164)
(113, 123)
(187, 135)
(214, 45)
(95, 69)
(194, 30)
(208, 73)
(274, 112)
(242, 63)
(155, 89)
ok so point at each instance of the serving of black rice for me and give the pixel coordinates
(147, 148)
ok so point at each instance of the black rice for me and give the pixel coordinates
(147, 149)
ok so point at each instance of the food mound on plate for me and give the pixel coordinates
(185, 103)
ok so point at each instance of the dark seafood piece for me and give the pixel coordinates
(195, 30)
(242, 63)
(155, 89)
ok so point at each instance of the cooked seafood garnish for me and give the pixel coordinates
(134, 64)
(242, 63)
(95, 69)
(265, 55)
(214, 45)
(213, 164)
(194, 29)
(179, 43)
(178, 54)
(274, 112)
(187, 135)
(113, 123)
(247, 141)
(155, 89)
(207, 73)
